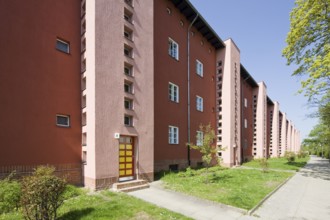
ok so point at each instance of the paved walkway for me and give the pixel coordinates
(306, 196)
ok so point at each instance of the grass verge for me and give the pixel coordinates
(106, 205)
(242, 188)
(280, 163)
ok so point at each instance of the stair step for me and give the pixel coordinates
(134, 188)
(128, 184)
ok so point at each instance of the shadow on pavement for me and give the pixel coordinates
(320, 169)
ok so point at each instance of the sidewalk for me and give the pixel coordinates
(187, 205)
(305, 196)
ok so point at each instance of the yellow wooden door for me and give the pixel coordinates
(126, 157)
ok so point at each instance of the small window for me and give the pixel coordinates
(128, 34)
(219, 63)
(128, 70)
(128, 87)
(129, 2)
(173, 135)
(128, 103)
(199, 68)
(62, 46)
(199, 138)
(173, 91)
(169, 11)
(128, 120)
(63, 120)
(128, 51)
(173, 49)
(245, 123)
(128, 16)
(199, 103)
(245, 103)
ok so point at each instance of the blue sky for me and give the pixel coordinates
(259, 28)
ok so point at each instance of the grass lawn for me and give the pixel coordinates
(243, 188)
(107, 205)
(280, 163)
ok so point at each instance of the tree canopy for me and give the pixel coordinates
(308, 45)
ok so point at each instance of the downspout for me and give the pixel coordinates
(188, 73)
(242, 120)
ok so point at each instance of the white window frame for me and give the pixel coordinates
(245, 102)
(199, 68)
(173, 92)
(245, 123)
(130, 124)
(67, 44)
(199, 138)
(173, 135)
(199, 103)
(130, 103)
(63, 125)
(173, 49)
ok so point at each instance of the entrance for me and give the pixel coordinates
(126, 158)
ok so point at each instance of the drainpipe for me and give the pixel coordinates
(242, 120)
(188, 73)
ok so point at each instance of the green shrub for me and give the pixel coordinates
(302, 154)
(290, 156)
(72, 191)
(263, 162)
(10, 193)
(42, 194)
(188, 173)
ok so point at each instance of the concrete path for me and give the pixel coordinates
(306, 196)
(187, 205)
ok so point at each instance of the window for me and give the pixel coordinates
(128, 87)
(173, 49)
(245, 123)
(128, 103)
(128, 70)
(245, 103)
(199, 103)
(128, 34)
(173, 135)
(62, 46)
(199, 68)
(128, 120)
(199, 138)
(128, 16)
(173, 91)
(63, 120)
(128, 51)
(129, 2)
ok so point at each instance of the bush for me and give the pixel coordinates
(10, 193)
(72, 191)
(263, 162)
(302, 154)
(290, 156)
(42, 194)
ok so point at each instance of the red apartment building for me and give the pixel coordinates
(40, 86)
(112, 91)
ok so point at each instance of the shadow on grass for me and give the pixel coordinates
(76, 214)
(296, 164)
(217, 178)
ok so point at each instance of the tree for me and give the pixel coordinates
(206, 137)
(308, 45)
(318, 140)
